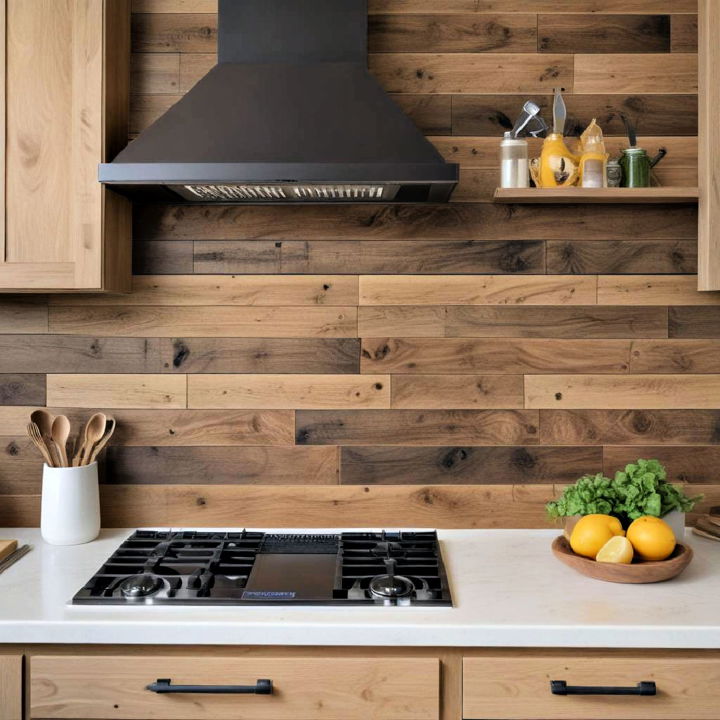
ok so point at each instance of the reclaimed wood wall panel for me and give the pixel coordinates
(429, 365)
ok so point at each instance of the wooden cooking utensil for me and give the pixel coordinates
(60, 433)
(36, 437)
(94, 430)
(44, 420)
(7, 547)
(109, 430)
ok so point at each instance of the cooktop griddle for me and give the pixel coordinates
(169, 567)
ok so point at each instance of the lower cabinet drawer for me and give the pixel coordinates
(512, 688)
(303, 688)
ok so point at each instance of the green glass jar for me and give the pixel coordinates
(636, 168)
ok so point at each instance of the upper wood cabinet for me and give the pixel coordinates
(709, 146)
(65, 91)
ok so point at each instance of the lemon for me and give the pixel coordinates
(592, 532)
(652, 538)
(617, 549)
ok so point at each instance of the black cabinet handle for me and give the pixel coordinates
(560, 687)
(164, 685)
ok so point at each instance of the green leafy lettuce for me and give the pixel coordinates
(640, 489)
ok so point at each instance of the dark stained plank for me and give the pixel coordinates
(594, 33)
(23, 315)
(20, 466)
(577, 257)
(258, 355)
(675, 356)
(689, 464)
(416, 427)
(174, 32)
(152, 257)
(369, 257)
(493, 356)
(22, 389)
(491, 115)
(694, 322)
(555, 322)
(684, 33)
(68, 354)
(452, 221)
(466, 465)
(222, 465)
(629, 427)
(452, 33)
(431, 113)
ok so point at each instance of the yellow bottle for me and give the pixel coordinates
(557, 166)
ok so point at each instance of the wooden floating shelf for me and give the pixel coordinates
(577, 195)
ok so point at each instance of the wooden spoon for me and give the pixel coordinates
(34, 433)
(109, 430)
(44, 420)
(60, 433)
(94, 430)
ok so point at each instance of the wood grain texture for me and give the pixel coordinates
(116, 391)
(493, 356)
(259, 355)
(622, 257)
(22, 389)
(466, 465)
(592, 33)
(223, 465)
(154, 32)
(550, 322)
(629, 427)
(198, 321)
(389, 257)
(653, 290)
(409, 427)
(410, 320)
(648, 73)
(457, 392)
(477, 290)
(675, 356)
(151, 257)
(288, 391)
(684, 33)
(684, 464)
(11, 686)
(694, 322)
(622, 392)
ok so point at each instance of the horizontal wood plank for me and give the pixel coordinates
(155, 32)
(410, 320)
(154, 73)
(492, 356)
(22, 389)
(648, 73)
(653, 290)
(694, 322)
(466, 465)
(151, 257)
(199, 321)
(457, 392)
(409, 427)
(260, 355)
(116, 391)
(594, 33)
(288, 391)
(683, 464)
(622, 392)
(684, 33)
(23, 316)
(675, 356)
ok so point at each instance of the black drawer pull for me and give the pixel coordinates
(560, 687)
(164, 685)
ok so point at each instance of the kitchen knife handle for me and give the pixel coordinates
(164, 685)
(560, 687)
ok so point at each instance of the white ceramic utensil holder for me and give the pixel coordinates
(70, 513)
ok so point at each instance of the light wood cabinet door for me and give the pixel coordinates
(11, 687)
(64, 89)
(514, 687)
(304, 688)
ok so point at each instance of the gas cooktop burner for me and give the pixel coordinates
(156, 567)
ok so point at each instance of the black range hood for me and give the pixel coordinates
(290, 114)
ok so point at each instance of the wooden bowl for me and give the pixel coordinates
(635, 572)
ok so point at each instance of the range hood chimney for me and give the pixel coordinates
(290, 114)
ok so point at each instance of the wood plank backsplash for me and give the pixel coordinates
(397, 365)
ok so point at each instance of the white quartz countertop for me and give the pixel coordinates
(508, 591)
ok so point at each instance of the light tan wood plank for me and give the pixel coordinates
(408, 321)
(174, 428)
(289, 391)
(155, 73)
(709, 156)
(477, 290)
(653, 290)
(220, 321)
(457, 392)
(117, 391)
(597, 196)
(11, 686)
(598, 392)
(174, 6)
(255, 290)
(461, 73)
(633, 73)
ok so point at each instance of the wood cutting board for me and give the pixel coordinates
(7, 547)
